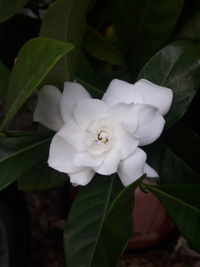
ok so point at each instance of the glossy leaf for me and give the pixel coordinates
(176, 66)
(41, 177)
(100, 13)
(143, 27)
(18, 155)
(4, 74)
(171, 168)
(183, 205)
(188, 26)
(95, 92)
(85, 222)
(100, 223)
(34, 61)
(115, 74)
(9, 7)
(88, 77)
(100, 48)
(186, 144)
(117, 228)
(65, 21)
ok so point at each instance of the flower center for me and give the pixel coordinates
(102, 136)
(99, 136)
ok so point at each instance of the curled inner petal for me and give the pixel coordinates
(88, 110)
(99, 135)
(125, 114)
(150, 124)
(81, 178)
(73, 92)
(60, 156)
(121, 92)
(110, 163)
(132, 168)
(47, 110)
(74, 135)
(155, 95)
(86, 159)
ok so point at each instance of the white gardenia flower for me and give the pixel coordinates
(103, 136)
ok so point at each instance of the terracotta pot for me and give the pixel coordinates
(151, 221)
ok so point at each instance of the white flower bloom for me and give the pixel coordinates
(103, 135)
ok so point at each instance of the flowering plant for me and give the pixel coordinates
(142, 60)
(103, 135)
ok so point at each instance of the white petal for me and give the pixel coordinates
(82, 178)
(73, 92)
(152, 94)
(150, 124)
(125, 114)
(88, 110)
(74, 135)
(110, 163)
(150, 172)
(87, 160)
(125, 142)
(47, 110)
(121, 92)
(60, 156)
(132, 168)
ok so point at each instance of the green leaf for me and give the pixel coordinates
(86, 218)
(4, 73)
(99, 13)
(186, 145)
(34, 61)
(116, 74)
(117, 228)
(100, 48)
(176, 66)
(100, 223)
(89, 78)
(188, 26)
(9, 7)
(171, 168)
(144, 26)
(95, 92)
(65, 21)
(18, 155)
(41, 177)
(183, 205)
